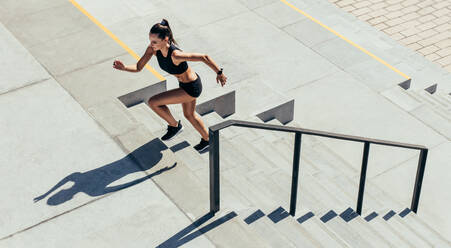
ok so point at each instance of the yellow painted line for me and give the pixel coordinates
(345, 39)
(122, 44)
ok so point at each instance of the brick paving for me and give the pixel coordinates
(422, 25)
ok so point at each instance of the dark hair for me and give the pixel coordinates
(163, 30)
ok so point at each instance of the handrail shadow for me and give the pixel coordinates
(95, 182)
(186, 235)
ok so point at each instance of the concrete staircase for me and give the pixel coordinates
(430, 105)
(256, 181)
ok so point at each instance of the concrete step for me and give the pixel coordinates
(190, 194)
(400, 97)
(415, 224)
(268, 231)
(373, 191)
(396, 241)
(255, 155)
(144, 114)
(283, 112)
(379, 227)
(299, 234)
(266, 183)
(436, 101)
(446, 98)
(358, 224)
(434, 120)
(433, 103)
(402, 230)
(385, 230)
(313, 196)
(319, 231)
(331, 187)
(232, 233)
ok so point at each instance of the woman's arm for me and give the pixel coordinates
(179, 56)
(138, 66)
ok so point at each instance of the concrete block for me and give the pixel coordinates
(283, 113)
(223, 105)
(142, 95)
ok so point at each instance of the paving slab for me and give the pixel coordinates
(288, 54)
(109, 12)
(37, 27)
(307, 32)
(101, 82)
(12, 8)
(252, 4)
(42, 157)
(134, 217)
(135, 32)
(113, 116)
(77, 50)
(340, 53)
(375, 75)
(13, 53)
(279, 14)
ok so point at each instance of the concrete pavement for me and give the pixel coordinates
(62, 115)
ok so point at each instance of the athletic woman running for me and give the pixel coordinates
(172, 60)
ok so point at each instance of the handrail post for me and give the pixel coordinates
(214, 170)
(419, 180)
(295, 176)
(366, 151)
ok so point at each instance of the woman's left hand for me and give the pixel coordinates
(221, 79)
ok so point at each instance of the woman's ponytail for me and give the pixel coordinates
(163, 29)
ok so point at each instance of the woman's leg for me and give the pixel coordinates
(194, 119)
(158, 103)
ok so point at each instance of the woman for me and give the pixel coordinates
(174, 61)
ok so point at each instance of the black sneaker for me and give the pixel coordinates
(202, 146)
(172, 131)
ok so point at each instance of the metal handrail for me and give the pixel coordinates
(214, 160)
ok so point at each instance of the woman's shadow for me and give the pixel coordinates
(95, 182)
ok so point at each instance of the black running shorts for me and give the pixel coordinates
(193, 88)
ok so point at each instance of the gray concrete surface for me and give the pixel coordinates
(12, 76)
(68, 119)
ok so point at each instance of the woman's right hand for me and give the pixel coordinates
(118, 65)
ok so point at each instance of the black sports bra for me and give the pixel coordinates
(166, 63)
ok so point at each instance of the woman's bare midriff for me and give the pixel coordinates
(187, 76)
